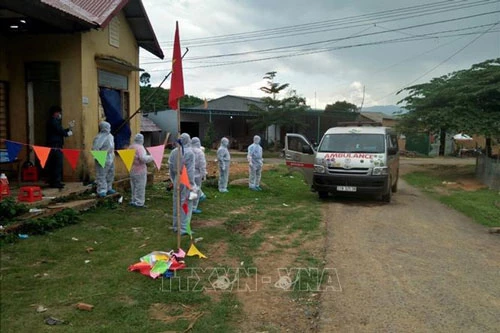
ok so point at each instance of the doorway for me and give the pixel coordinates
(43, 91)
(190, 127)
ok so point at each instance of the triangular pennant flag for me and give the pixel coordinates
(72, 156)
(157, 154)
(176, 79)
(193, 251)
(143, 267)
(175, 265)
(127, 156)
(42, 153)
(100, 156)
(13, 149)
(180, 253)
(184, 177)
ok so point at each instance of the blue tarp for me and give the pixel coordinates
(112, 104)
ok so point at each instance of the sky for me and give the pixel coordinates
(359, 51)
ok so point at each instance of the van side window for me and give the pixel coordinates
(392, 141)
(295, 144)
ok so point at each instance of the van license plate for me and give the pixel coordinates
(346, 188)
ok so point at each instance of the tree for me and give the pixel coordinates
(294, 107)
(144, 79)
(156, 98)
(283, 113)
(273, 88)
(463, 101)
(341, 106)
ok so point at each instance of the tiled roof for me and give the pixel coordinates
(147, 125)
(377, 116)
(98, 13)
(232, 103)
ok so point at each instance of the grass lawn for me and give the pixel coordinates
(88, 262)
(444, 183)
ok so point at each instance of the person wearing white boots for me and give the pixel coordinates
(139, 172)
(200, 172)
(105, 176)
(255, 163)
(187, 160)
(224, 160)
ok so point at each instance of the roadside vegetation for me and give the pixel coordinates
(45, 276)
(456, 187)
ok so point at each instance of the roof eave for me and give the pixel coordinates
(150, 43)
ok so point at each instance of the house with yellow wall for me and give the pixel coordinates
(82, 55)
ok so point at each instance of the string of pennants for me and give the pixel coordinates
(73, 155)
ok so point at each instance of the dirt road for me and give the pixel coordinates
(413, 265)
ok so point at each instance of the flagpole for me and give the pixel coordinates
(178, 176)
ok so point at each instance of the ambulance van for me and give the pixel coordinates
(353, 160)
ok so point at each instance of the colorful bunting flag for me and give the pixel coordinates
(127, 156)
(184, 177)
(100, 156)
(177, 80)
(42, 153)
(72, 156)
(13, 149)
(180, 253)
(157, 154)
(193, 251)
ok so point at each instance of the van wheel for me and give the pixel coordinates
(395, 187)
(322, 194)
(387, 197)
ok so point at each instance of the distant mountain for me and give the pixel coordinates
(387, 109)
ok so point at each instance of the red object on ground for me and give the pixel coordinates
(30, 174)
(29, 194)
(4, 187)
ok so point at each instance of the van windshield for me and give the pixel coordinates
(352, 143)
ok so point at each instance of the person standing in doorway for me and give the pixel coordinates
(55, 140)
(255, 163)
(224, 160)
(105, 175)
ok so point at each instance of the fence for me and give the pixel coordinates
(488, 171)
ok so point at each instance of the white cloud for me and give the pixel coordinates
(324, 77)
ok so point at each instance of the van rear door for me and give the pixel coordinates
(300, 155)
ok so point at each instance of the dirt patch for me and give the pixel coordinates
(271, 307)
(236, 168)
(464, 184)
(171, 313)
(454, 176)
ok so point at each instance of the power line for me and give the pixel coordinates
(442, 62)
(314, 51)
(335, 39)
(333, 25)
(425, 9)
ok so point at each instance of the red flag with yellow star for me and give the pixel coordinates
(176, 80)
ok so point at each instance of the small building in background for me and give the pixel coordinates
(152, 132)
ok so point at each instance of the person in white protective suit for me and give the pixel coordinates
(200, 172)
(187, 160)
(224, 160)
(139, 172)
(105, 176)
(255, 162)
